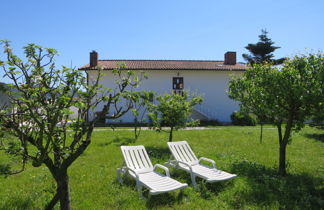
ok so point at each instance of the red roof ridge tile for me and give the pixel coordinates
(168, 65)
(159, 60)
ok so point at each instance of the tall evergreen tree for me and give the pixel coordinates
(261, 52)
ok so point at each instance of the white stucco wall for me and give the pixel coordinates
(212, 85)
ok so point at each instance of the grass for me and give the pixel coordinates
(235, 149)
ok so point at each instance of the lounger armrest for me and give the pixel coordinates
(162, 167)
(208, 160)
(136, 174)
(184, 163)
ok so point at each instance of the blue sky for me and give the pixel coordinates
(188, 30)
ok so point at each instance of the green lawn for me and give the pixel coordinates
(235, 149)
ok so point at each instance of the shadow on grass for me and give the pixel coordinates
(155, 201)
(104, 144)
(165, 200)
(123, 141)
(295, 191)
(5, 169)
(18, 203)
(205, 189)
(315, 136)
(161, 153)
(120, 141)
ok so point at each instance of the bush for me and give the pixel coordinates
(239, 118)
(209, 123)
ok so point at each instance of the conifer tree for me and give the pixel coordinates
(261, 52)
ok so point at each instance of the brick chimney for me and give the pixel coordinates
(230, 58)
(93, 59)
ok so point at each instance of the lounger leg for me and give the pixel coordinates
(139, 188)
(180, 195)
(193, 180)
(119, 173)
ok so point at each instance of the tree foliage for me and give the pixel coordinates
(242, 118)
(262, 51)
(143, 100)
(285, 96)
(174, 111)
(3, 87)
(40, 108)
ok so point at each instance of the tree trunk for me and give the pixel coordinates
(135, 132)
(53, 202)
(261, 132)
(170, 136)
(283, 141)
(282, 159)
(64, 191)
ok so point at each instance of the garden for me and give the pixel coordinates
(235, 149)
(73, 163)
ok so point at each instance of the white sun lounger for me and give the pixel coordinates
(186, 160)
(138, 165)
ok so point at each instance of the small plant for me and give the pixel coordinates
(143, 99)
(174, 111)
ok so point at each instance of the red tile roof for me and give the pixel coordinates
(168, 65)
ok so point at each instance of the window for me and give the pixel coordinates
(177, 85)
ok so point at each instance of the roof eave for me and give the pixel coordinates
(161, 69)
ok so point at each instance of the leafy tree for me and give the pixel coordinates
(40, 110)
(242, 118)
(318, 115)
(143, 100)
(284, 95)
(174, 111)
(261, 52)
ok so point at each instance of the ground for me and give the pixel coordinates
(235, 149)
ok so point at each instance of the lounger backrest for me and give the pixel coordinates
(182, 151)
(137, 159)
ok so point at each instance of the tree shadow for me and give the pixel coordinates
(315, 136)
(5, 169)
(120, 141)
(161, 153)
(207, 190)
(104, 144)
(155, 201)
(165, 200)
(18, 203)
(295, 191)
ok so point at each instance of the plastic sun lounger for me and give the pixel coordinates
(138, 165)
(186, 160)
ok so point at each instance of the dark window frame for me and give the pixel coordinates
(177, 83)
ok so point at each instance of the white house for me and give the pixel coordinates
(207, 78)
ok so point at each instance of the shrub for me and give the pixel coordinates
(239, 118)
(209, 123)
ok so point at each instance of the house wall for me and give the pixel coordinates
(212, 85)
